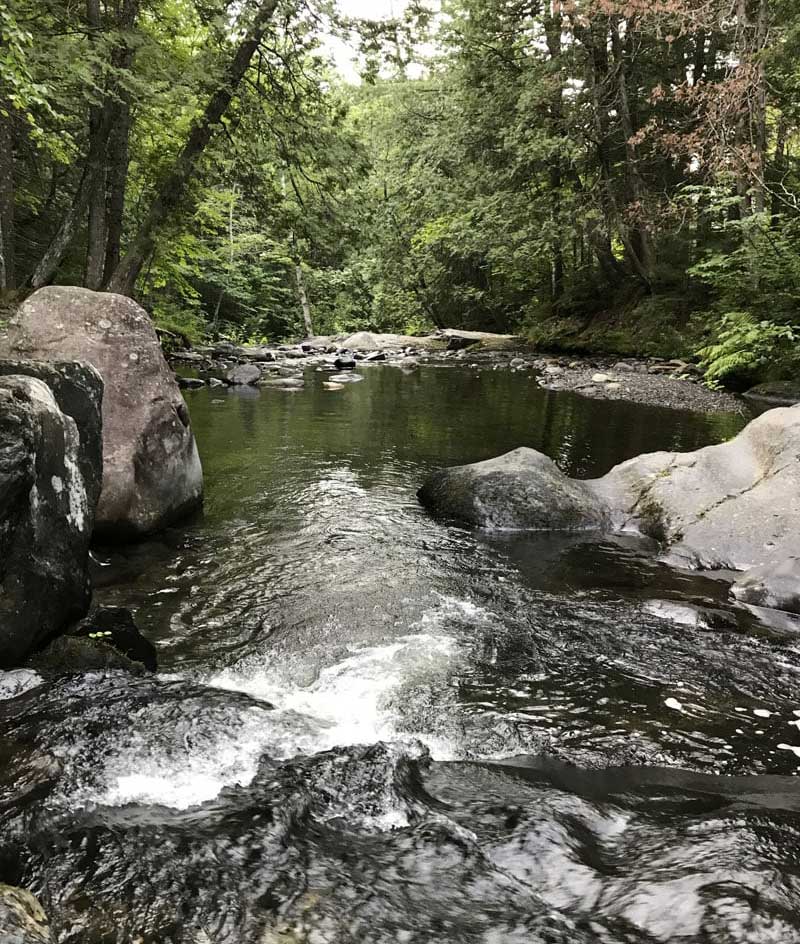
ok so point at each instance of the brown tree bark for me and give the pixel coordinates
(92, 171)
(553, 38)
(96, 225)
(118, 150)
(172, 188)
(7, 228)
(637, 239)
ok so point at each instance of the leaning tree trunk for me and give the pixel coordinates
(92, 172)
(173, 187)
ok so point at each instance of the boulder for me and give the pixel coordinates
(72, 655)
(244, 375)
(778, 392)
(261, 355)
(50, 477)
(151, 469)
(345, 361)
(522, 490)
(190, 383)
(774, 585)
(22, 919)
(732, 506)
(284, 383)
(115, 626)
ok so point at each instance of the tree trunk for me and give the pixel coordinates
(779, 169)
(7, 232)
(760, 116)
(92, 172)
(637, 240)
(173, 187)
(553, 28)
(117, 158)
(304, 303)
(118, 150)
(96, 226)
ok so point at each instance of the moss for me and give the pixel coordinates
(656, 326)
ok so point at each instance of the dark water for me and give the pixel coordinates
(372, 726)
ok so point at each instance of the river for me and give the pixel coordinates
(371, 726)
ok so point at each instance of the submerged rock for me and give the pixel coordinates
(22, 919)
(190, 383)
(116, 626)
(151, 468)
(50, 475)
(522, 490)
(283, 383)
(74, 655)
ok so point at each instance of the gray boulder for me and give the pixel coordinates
(735, 505)
(775, 585)
(22, 919)
(244, 375)
(522, 490)
(776, 392)
(151, 469)
(50, 478)
(731, 506)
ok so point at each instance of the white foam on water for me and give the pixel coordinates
(350, 702)
(180, 776)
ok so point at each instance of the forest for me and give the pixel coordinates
(597, 175)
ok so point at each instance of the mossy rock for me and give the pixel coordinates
(22, 918)
(777, 392)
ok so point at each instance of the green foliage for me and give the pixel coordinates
(746, 350)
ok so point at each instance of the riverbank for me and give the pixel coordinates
(675, 384)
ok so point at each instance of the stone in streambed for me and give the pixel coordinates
(22, 918)
(116, 626)
(345, 361)
(346, 378)
(283, 383)
(244, 375)
(151, 468)
(778, 393)
(732, 506)
(521, 490)
(190, 383)
(774, 585)
(50, 477)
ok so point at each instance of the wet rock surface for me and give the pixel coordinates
(50, 473)
(317, 628)
(520, 490)
(151, 468)
(22, 919)
(731, 506)
(776, 393)
(775, 585)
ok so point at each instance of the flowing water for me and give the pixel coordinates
(371, 726)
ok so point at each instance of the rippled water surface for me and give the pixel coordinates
(373, 726)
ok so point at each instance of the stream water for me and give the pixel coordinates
(371, 726)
